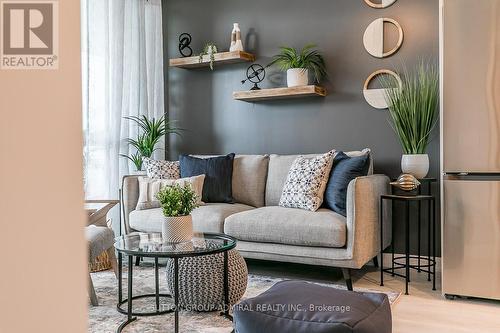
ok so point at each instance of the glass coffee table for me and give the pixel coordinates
(152, 245)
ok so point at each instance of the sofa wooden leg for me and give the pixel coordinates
(112, 259)
(137, 261)
(347, 277)
(375, 261)
(92, 294)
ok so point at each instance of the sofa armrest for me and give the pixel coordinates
(363, 218)
(129, 198)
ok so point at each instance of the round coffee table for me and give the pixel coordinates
(152, 245)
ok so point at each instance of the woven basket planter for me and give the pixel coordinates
(177, 229)
(201, 280)
(100, 263)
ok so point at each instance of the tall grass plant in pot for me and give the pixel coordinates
(151, 131)
(297, 64)
(414, 112)
(177, 203)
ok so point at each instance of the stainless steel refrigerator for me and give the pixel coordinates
(470, 147)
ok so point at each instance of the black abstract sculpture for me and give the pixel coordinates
(184, 41)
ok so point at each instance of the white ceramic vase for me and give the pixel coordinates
(297, 77)
(236, 44)
(415, 164)
(177, 229)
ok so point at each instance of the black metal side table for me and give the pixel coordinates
(152, 245)
(429, 264)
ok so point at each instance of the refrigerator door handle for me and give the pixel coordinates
(464, 176)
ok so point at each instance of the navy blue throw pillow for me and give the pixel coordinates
(344, 169)
(218, 171)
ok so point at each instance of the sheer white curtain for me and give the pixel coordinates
(122, 76)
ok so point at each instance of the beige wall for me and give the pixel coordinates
(43, 265)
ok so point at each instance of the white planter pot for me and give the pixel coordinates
(415, 164)
(297, 77)
(177, 229)
(139, 172)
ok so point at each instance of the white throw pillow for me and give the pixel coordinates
(148, 188)
(158, 169)
(306, 182)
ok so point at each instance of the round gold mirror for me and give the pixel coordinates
(381, 4)
(377, 98)
(373, 39)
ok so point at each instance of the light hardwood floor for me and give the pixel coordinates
(423, 311)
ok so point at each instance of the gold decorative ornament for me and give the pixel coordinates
(406, 182)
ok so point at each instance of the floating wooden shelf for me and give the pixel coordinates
(219, 58)
(279, 93)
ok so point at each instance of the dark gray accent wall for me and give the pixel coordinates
(201, 100)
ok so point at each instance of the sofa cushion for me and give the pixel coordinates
(249, 179)
(306, 182)
(210, 218)
(149, 188)
(345, 169)
(218, 173)
(99, 239)
(279, 165)
(288, 226)
(207, 218)
(159, 169)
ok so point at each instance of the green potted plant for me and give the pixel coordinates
(297, 64)
(209, 50)
(150, 133)
(177, 203)
(414, 112)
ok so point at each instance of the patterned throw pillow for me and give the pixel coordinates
(148, 188)
(158, 169)
(306, 182)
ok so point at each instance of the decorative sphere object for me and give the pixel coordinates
(406, 182)
(255, 74)
(201, 280)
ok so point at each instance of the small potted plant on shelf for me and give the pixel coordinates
(177, 203)
(209, 50)
(297, 64)
(414, 112)
(150, 133)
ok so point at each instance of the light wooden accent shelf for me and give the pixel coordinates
(279, 93)
(219, 58)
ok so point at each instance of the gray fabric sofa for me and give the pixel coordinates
(269, 232)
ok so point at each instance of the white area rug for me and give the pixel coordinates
(105, 318)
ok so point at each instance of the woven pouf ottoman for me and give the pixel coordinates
(301, 307)
(201, 280)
